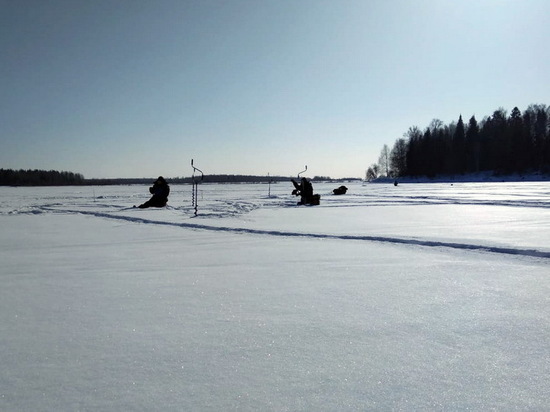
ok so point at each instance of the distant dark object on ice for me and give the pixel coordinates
(395, 182)
(340, 191)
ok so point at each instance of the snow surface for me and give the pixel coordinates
(415, 297)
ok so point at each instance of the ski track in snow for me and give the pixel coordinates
(230, 204)
(368, 238)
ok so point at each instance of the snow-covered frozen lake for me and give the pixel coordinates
(414, 297)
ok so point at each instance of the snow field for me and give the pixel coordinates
(259, 305)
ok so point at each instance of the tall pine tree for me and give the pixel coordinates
(459, 148)
(472, 146)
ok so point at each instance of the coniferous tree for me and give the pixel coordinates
(433, 146)
(518, 152)
(414, 151)
(546, 145)
(528, 146)
(540, 135)
(493, 148)
(472, 146)
(459, 148)
(441, 150)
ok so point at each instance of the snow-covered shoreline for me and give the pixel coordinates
(370, 301)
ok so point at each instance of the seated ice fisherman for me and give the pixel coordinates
(304, 189)
(160, 191)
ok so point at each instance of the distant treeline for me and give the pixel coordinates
(10, 177)
(244, 179)
(205, 179)
(501, 143)
(183, 180)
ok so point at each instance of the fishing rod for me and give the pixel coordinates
(195, 191)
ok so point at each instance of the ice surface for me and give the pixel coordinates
(415, 297)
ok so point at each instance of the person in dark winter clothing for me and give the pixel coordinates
(304, 189)
(160, 191)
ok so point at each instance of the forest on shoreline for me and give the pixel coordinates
(9, 177)
(503, 144)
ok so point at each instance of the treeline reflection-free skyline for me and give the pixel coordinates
(501, 143)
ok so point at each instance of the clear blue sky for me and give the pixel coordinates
(134, 88)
